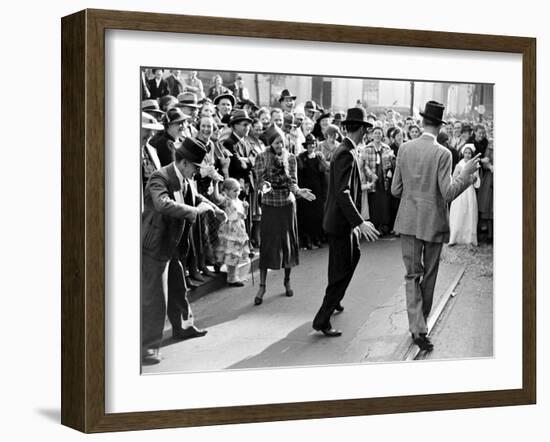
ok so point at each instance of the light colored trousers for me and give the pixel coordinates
(421, 259)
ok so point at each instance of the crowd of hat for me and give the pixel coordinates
(304, 121)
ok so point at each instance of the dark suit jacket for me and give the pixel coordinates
(165, 222)
(160, 91)
(236, 170)
(423, 181)
(343, 206)
(175, 86)
(165, 145)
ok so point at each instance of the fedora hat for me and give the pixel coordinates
(356, 115)
(150, 122)
(167, 102)
(248, 102)
(191, 150)
(187, 99)
(286, 94)
(230, 97)
(310, 105)
(433, 111)
(324, 115)
(151, 107)
(239, 115)
(175, 115)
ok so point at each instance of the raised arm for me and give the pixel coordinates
(449, 187)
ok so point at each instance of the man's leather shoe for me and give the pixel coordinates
(330, 332)
(424, 343)
(236, 284)
(151, 356)
(207, 273)
(196, 276)
(187, 333)
(339, 308)
(190, 283)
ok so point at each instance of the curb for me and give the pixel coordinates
(385, 336)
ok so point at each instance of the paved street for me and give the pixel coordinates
(278, 333)
(465, 327)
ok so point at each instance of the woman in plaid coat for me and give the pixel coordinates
(376, 165)
(276, 177)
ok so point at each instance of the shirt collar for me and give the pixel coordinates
(429, 135)
(352, 142)
(237, 137)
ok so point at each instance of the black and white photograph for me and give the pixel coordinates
(302, 220)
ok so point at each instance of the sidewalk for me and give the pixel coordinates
(465, 328)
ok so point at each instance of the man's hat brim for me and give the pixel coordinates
(349, 122)
(193, 105)
(293, 97)
(178, 120)
(153, 126)
(239, 119)
(153, 111)
(432, 118)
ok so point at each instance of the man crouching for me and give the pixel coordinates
(170, 207)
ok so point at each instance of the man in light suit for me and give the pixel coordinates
(343, 222)
(170, 207)
(423, 181)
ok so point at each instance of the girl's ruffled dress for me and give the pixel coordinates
(232, 248)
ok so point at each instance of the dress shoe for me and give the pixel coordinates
(151, 356)
(187, 333)
(190, 283)
(207, 272)
(423, 343)
(236, 284)
(330, 332)
(196, 276)
(339, 308)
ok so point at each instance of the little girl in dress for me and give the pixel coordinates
(232, 249)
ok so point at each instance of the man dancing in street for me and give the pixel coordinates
(171, 206)
(342, 221)
(423, 181)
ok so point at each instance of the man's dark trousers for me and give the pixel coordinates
(344, 254)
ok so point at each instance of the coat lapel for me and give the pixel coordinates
(173, 180)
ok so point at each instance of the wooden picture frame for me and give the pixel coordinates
(83, 219)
